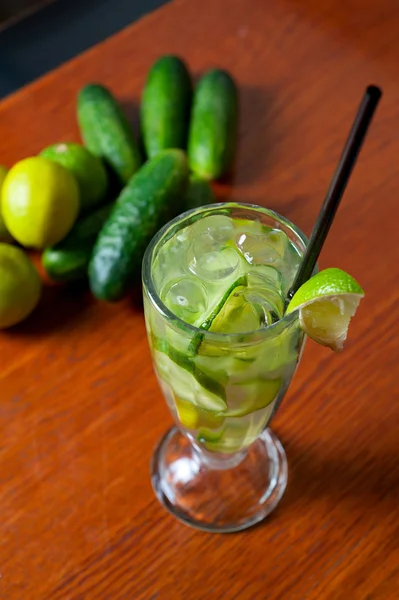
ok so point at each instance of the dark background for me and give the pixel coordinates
(38, 35)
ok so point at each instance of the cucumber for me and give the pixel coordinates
(205, 325)
(258, 394)
(69, 259)
(89, 171)
(186, 386)
(199, 193)
(152, 196)
(106, 131)
(233, 437)
(213, 128)
(165, 106)
(166, 352)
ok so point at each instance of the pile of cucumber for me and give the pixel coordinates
(188, 138)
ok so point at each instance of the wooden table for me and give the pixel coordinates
(79, 405)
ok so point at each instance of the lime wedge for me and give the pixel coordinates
(326, 304)
(193, 417)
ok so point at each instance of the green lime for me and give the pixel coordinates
(326, 304)
(20, 286)
(5, 235)
(39, 201)
(89, 171)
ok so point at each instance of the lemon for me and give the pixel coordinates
(4, 233)
(326, 304)
(89, 171)
(20, 285)
(39, 202)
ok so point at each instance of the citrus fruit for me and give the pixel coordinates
(89, 171)
(39, 202)
(20, 285)
(326, 304)
(4, 233)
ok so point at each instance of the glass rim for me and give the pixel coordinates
(155, 299)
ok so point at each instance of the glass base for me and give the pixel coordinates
(219, 493)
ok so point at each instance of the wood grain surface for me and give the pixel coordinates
(80, 409)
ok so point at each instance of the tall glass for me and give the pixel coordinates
(219, 468)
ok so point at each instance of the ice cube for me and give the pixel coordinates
(217, 229)
(289, 267)
(267, 248)
(171, 261)
(247, 226)
(212, 255)
(267, 281)
(213, 266)
(186, 298)
(267, 304)
(264, 275)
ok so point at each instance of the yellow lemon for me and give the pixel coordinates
(20, 285)
(4, 234)
(39, 202)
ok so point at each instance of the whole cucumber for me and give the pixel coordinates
(70, 259)
(199, 193)
(153, 195)
(106, 131)
(165, 106)
(213, 129)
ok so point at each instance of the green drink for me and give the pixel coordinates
(215, 286)
(226, 341)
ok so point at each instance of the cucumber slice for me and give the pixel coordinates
(208, 435)
(235, 434)
(256, 395)
(182, 360)
(197, 339)
(236, 315)
(231, 438)
(187, 382)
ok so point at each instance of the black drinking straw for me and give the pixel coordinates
(338, 184)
